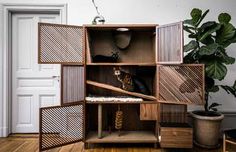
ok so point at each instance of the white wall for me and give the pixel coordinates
(150, 11)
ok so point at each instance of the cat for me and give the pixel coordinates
(130, 82)
(102, 58)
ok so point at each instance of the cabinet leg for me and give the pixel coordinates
(99, 120)
(86, 145)
(224, 144)
(155, 145)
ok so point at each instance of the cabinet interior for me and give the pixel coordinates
(141, 49)
(105, 75)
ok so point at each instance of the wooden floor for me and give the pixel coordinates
(29, 143)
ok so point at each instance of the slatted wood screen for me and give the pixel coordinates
(170, 43)
(73, 88)
(61, 125)
(181, 84)
(60, 43)
(173, 113)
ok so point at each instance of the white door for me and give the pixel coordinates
(33, 85)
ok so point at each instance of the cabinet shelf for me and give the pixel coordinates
(123, 64)
(110, 87)
(133, 102)
(125, 137)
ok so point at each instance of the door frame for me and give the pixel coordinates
(6, 11)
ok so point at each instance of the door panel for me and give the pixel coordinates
(61, 125)
(33, 85)
(73, 88)
(60, 43)
(170, 43)
(181, 84)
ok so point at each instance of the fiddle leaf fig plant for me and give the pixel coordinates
(208, 44)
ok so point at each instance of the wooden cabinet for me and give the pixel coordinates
(176, 135)
(60, 44)
(148, 111)
(116, 70)
(181, 84)
(170, 43)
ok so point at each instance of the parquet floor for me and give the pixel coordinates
(29, 143)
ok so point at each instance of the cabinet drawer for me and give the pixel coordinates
(148, 112)
(176, 137)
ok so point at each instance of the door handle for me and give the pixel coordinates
(55, 76)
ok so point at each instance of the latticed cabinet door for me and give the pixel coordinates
(169, 43)
(72, 84)
(60, 44)
(61, 125)
(181, 84)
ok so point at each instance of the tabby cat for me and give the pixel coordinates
(130, 82)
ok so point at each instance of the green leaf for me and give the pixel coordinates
(226, 32)
(213, 89)
(196, 15)
(190, 46)
(234, 86)
(230, 41)
(188, 22)
(224, 18)
(207, 25)
(229, 60)
(209, 32)
(214, 109)
(208, 40)
(188, 29)
(192, 36)
(202, 17)
(229, 90)
(208, 49)
(216, 70)
(233, 40)
(225, 58)
(214, 104)
(191, 57)
(210, 83)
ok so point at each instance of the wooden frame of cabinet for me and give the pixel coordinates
(81, 74)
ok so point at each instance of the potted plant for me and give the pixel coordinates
(208, 44)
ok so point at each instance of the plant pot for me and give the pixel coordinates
(206, 128)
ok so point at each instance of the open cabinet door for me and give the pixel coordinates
(170, 43)
(61, 125)
(60, 44)
(181, 84)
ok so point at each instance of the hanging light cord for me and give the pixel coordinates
(96, 7)
(99, 18)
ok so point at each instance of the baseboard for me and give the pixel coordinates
(229, 120)
(4, 132)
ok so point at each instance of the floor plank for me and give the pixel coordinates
(23, 143)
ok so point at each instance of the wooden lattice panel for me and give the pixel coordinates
(60, 43)
(181, 84)
(61, 125)
(73, 88)
(173, 113)
(170, 43)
